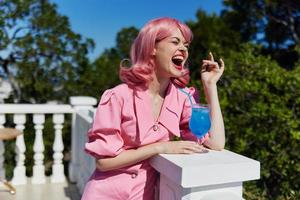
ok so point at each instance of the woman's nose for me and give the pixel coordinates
(183, 48)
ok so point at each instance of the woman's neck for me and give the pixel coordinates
(159, 86)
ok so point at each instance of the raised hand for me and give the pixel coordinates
(211, 71)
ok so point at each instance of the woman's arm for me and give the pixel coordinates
(210, 74)
(133, 156)
(216, 138)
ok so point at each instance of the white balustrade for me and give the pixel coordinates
(2, 149)
(58, 175)
(19, 177)
(38, 148)
(38, 111)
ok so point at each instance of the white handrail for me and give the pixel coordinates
(35, 108)
(38, 111)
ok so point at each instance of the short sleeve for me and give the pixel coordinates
(104, 139)
(185, 131)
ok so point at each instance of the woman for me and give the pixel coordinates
(139, 118)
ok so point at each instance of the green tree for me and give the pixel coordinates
(104, 71)
(273, 24)
(211, 33)
(39, 53)
(261, 105)
(125, 38)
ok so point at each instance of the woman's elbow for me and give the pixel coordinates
(218, 146)
(215, 145)
(101, 166)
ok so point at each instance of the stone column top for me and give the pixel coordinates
(200, 169)
(83, 101)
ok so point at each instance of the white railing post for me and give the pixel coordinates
(204, 176)
(38, 148)
(58, 174)
(83, 105)
(19, 177)
(2, 149)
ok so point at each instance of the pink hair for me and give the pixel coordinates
(141, 70)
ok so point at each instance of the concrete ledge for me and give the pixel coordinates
(205, 173)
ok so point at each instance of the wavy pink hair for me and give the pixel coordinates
(142, 67)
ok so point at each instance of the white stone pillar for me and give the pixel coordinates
(38, 148)
(2, 149)
(58, 174)
(204, 176)
(82, 104)
(19, 177)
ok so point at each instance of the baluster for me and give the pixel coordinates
(19, 177)
(2, 150)
(38, 148)
(80, 104)
(58, 146)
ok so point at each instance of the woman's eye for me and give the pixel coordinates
(175, 42)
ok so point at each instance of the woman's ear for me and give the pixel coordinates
(154, 52)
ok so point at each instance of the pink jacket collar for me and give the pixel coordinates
(169, 116)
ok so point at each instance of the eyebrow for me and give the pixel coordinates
(178, 39)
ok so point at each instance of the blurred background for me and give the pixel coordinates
(51, 50)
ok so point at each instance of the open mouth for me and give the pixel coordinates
(178, 62)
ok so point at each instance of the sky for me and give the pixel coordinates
(101, 20)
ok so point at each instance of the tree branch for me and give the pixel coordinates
(16, 88)
(292, 26)
(14, 36)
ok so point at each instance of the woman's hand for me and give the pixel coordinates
(180, 147)
(211, 71)
(9, 133)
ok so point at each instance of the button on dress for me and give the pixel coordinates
(124, 120)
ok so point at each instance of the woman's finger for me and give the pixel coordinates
(210, 55)
(194, 146)
(222, 67)
(210, 62)
(186, 151)
(196, 149)
(209, 66)
(222, 63)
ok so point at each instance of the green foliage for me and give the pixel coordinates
(124, 40)
(261, 107)
(104, 72)
(273, 24)
(211, 34)
(41, 52)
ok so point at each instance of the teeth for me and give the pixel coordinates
(178, 57)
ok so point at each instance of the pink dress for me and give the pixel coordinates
(123, 121)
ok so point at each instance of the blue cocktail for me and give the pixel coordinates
(200, 120)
